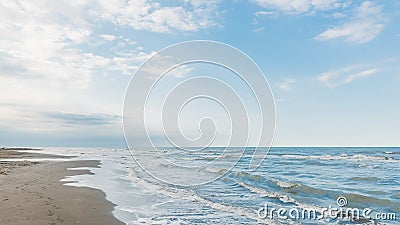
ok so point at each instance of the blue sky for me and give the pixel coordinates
(333, 65)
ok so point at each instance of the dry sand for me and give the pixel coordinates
(31, 194)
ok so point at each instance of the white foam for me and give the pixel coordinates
(284, 184)
(283, 198)
(268, 194)
(80, 168)
(216, 170)
(192, 196)
(391, 153)
(343, 157)
(175, 221)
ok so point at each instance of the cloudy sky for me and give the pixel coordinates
(333, 65)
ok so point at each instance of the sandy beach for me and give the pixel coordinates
(31, 193)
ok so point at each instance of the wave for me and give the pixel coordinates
(358, 157)
(216, 170)
(283, 198)
(305, 190)
(262, 192)
(191, 195)
(350, 197)
(368, 200)
(243, 174)
(397, 196)
(392, 153)
(279, 184)
(286, 185)
(364, 178)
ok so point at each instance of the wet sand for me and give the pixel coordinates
(31, 193)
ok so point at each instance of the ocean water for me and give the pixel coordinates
(292, 179)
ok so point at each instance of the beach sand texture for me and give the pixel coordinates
(31, 193)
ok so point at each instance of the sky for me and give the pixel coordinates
(333, 65)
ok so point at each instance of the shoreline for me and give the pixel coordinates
(32, 193)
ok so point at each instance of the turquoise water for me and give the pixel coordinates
(289, 178)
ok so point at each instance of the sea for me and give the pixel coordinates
(292, 185)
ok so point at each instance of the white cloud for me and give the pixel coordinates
(287, 84)
(338, 15)
(46, 62)
(301, 6)
(42, 40)
(108, 37)
(345, 75)
(152, 16)
(264, 13)
(258, 29)
(181, 71)
(367, 23)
